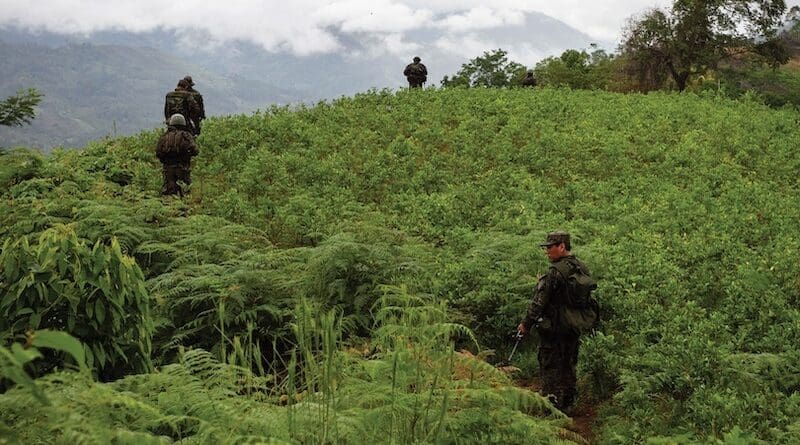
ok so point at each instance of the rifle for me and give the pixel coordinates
(518, 336)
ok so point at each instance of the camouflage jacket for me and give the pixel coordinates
(416, 71)
(199, 99)
(529, 81)
(550, 297)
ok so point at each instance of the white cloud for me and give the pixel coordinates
(471, 45)
(396, 44)
(466, 46)
(274, 25)
(480, 18)
(527, 54)
(309, 26)
(383, 16)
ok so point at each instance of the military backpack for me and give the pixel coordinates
(581, 310)
(178, 103)
(175, 143)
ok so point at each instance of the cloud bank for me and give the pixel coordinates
(305, 27)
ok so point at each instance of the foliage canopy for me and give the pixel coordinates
(492, 69)
(692, 36)
(19, 109)
(577, 69)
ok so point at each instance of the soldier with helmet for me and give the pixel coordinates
(181, 101)
(175, 150)
(198, 98)
(416, 73)
(558, 343)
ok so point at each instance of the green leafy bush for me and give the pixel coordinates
(95, 293)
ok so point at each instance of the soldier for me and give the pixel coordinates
(197, 98)
(529, 80)
(182, 102)
(416, 73)
(558, 345)
(175, 150)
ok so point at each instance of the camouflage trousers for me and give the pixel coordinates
(558, 358)
(415, 83)
(173, 173)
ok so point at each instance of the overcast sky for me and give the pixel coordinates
(304, 26)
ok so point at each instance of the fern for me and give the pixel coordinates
(18, 166)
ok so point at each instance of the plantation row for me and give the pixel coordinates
(312, 286)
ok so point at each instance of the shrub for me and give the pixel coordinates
(95, 293)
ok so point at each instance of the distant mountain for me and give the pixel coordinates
(114, 82)
(92, 91)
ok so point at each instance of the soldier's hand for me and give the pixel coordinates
(521, 329)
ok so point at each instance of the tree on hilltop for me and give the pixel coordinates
(20, 108)
(693, 36)
(578, 69)
(493, 69)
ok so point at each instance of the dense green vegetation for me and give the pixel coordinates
(328, 258)
(492, 69)
(692, 37)
(775, 87)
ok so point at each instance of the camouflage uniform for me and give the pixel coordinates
(529, 80)
(416, 73)
(175, 150)
(558, 345)
(181, 101)
(198, 98)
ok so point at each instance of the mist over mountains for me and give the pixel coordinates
(113, 83)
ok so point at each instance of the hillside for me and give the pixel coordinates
(329, 257)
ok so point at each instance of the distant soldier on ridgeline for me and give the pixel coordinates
(416, 73)
(197, 98)
(175, 150)
(529, 80)
(182, 102)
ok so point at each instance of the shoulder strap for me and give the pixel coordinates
(564, 267)
(173, 138)
(187, 137)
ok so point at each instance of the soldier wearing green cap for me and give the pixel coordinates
(198, 98)
(558, 345)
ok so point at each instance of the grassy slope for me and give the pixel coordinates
(685, 208)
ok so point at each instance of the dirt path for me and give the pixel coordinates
(583, 415)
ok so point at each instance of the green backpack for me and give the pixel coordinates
(581, 311)
(174, 143)
(177, 103)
